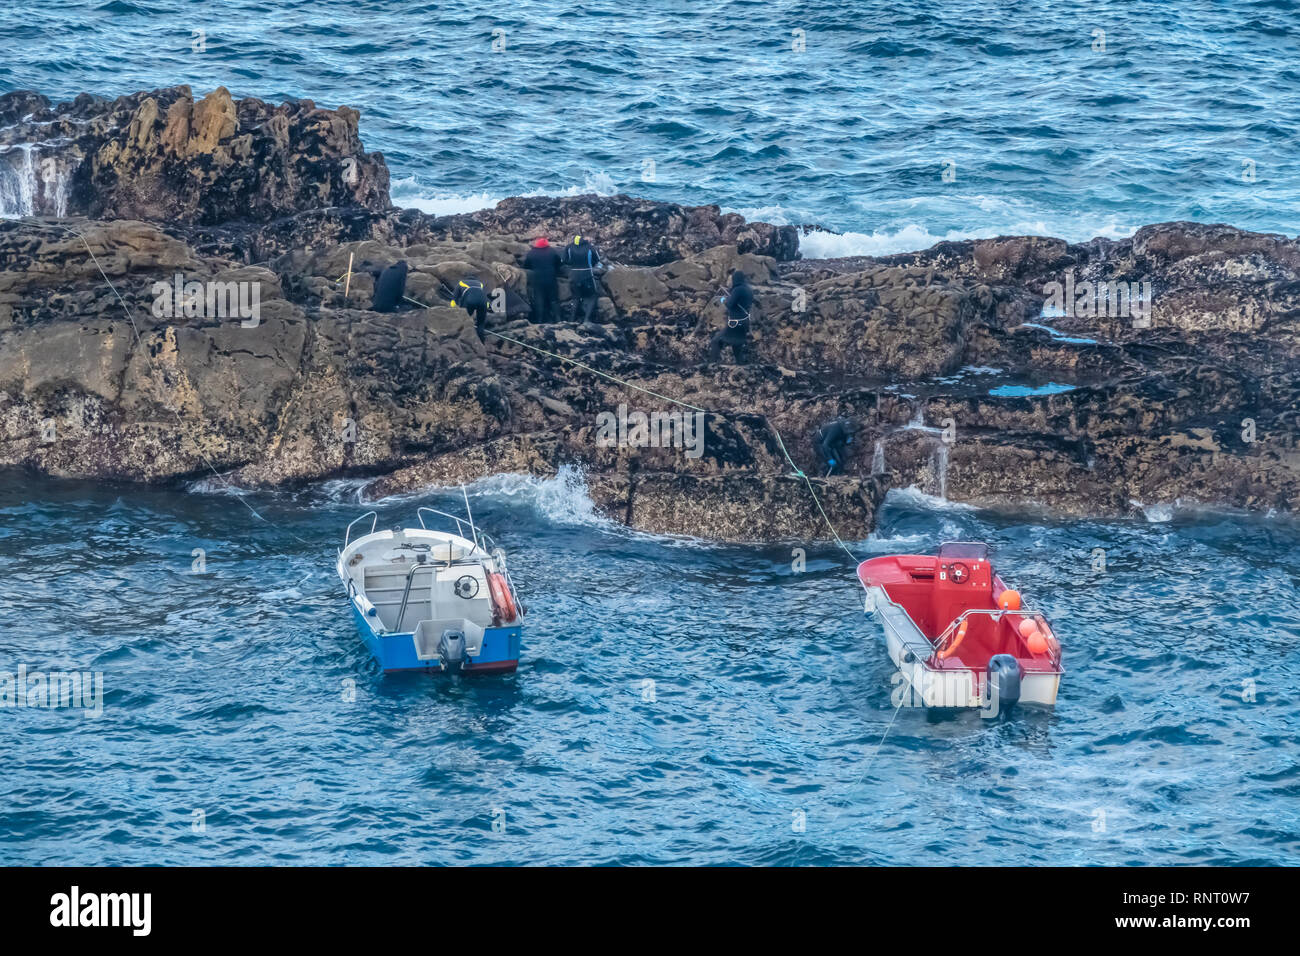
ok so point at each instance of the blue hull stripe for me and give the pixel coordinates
(396, 652)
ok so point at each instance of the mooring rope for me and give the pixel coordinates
(139, 341)
(871, 760)
(798, 472)
(865, 770)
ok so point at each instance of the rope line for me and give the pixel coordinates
(862, 776)
(871, 760)
(139, 341)
(798, 472)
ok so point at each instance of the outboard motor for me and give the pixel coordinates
(1003, 675)
(451, 649)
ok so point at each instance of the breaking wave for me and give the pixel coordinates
(409, 193)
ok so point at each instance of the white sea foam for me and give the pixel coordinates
(215, 486)
(562, 499)
(998, 217)
(913, 497)
(410, 194)
(895, 544)
(442, 204)
(1157, 513)
(833, 245)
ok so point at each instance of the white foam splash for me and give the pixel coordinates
(1158, 513)
(443, 204)
(835, 245)
(941, 469)
(878, 459)
(562, 499)
(891, 545)
(347, 490)
(410, 194)
(914, 497)
(31, 184)
(917, 422)
(1000, 216)
(215, 486)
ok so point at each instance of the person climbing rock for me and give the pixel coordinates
(543, 265)
(832, 443)
(740, 303)
(582, 261)
(390, 287)
(472, 297)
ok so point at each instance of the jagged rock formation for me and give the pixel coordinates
(162, 156)
(940, 355)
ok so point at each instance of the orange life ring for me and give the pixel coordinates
(951, 649)
(502, 599)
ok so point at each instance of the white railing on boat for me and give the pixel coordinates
(937, 644)
(374, 520)
(474, 534)
(1037, 616)
(480, 539)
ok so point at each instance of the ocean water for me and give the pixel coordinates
(1073, 120)
(677, 702)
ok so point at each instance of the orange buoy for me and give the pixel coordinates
(1037, 642)
(951, 649)
(502, 600)
(1009, 600)
(1028, 627)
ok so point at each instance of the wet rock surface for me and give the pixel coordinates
(960, 383)
(163, 155)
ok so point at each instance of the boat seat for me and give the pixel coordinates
(433, 596)
(384, 589)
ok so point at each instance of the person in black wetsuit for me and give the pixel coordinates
(472, 297)
(390, 287)
(740, 303)
(832, 441)
(582, 261)
(543, 265)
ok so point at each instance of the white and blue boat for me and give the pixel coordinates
(429, 600)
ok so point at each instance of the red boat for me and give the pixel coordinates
(957, 634)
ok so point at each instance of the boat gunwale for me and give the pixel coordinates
(1056, 668)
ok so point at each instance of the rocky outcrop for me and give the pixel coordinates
(163, 156)
(1196, 400)
(961, 383)
(630, 231)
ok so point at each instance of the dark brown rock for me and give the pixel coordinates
(1200, 404)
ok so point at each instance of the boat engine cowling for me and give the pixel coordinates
(451, 648)
(1003, 675)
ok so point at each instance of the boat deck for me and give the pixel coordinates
(923, 600)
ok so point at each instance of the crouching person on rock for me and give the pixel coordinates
(740, 304)
(390, 286)
(471, 296)
(832, 441)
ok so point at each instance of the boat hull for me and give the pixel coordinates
(397, 653)
(921, 685)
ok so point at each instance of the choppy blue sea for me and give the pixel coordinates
(678, 702)
(1068, 119)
